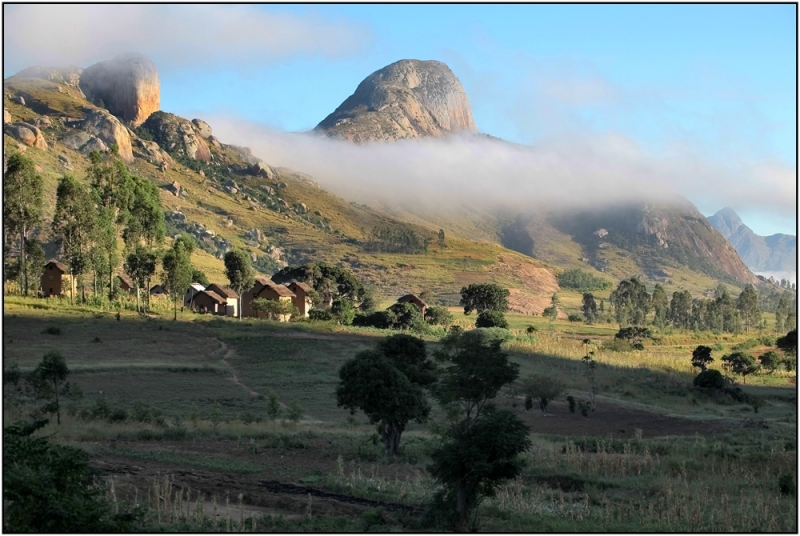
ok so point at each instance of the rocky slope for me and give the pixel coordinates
(407, 99)
(127, 85)
(774, 253)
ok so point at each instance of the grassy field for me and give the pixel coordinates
(654, 456)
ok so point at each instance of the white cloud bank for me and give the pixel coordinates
(567, 171)
(173, 36)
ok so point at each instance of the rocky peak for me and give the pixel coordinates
(127, 85)
(177, 136)
(726, 221)
(407, 99)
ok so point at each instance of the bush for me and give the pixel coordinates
(572, 317)
(769, 360)
(52, 330)
(710, 379)
(296, 412)
(321, 315)
(378, 319)
(438, 316)
(407, 316)
(491, 319)
(617, 345)
(786, 484)
(571, 402)
(530, 330)
(577, 279)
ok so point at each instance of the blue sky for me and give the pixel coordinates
(716, 81)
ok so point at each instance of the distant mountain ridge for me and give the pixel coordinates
(774, 253)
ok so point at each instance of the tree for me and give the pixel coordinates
(741, 363)
(660, 303)
(34, 261)
(442, 243)
(480, 450)
(631, 302)
(49, 488)
(114, 189)
(484, 297)
(23, 200)
(582, 281)
(770, 360)
(275, 310)
(47, 379)
(634, 335)
(788, 343)
(327, 280)
(590, 372)
(747, 305)
(491, 319)
(145, 217)
(437, 315)
(141, 265)
(543, 388)
(709, 379)
(701, 357)
(374, 383)
(240, 273)
(342, 309)
(198, 276)
(407, 316)
(782, 312)
(589, 307)
(680, 309)
(177, 271)
(74, 224)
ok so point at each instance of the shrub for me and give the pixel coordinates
(273, 407)
(296, 412)
(530, 330)
(52, 330)
(572, 317)
(710, 379)
(378, 319)
(407, 316)
(438, 316)
(571, 402)
(322, 315)
(577, 279)
(786, 484)
(617, 345)
(491, 319)
(769, 360)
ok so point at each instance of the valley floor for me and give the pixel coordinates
(192, 438)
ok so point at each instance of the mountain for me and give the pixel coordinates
(407, 99)
(227, 197)
(414, 99)
(774, 253)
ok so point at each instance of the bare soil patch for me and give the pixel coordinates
(616, 421)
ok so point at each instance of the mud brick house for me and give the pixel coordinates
(191, 292)
(208, 301)
(126, 284)
(231, 297)
(54, 278)
(302, 299)
(266, 289)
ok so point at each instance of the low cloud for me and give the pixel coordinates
(173, 36)
(566, 171)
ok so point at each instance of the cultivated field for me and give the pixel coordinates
(179, 410)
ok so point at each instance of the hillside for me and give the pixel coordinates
(774, 253)
(227, 198)
(653, 240)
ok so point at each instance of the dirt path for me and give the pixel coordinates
(228, 353)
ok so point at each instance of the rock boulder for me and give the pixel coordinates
(27, 134)
(108, 128)
(177, 136)
(127, 85)
(407, 99)
(203, 128)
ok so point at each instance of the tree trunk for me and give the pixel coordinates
(71, 286)
(138, 306)
(462, 515)
(175, 302)
(110, 282)
(390, 437)
(22, 263)
(58, 406)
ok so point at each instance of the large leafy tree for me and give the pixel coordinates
(680, 308)
(589, 307)
(240, 273)
(327, 280)
(631, 302)
(480, 449)
(22, 205)
(141, 265)
(788, 343)
(48, 380)
(177, 264)
(747, 305)
(49, 488)
(74, 224)
(482, 297)
(114, 189)
(701, 357)
(387, 385)
(145, 224)
(660, 303)
(741, 363)
(782, 312)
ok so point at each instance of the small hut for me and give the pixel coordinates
(126, 284)
(54, 278)
(208, 301)
(191, 292)
(230, 295)
(301, 300)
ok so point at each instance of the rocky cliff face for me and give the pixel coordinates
(775, 253)
(127, 85)
(407, 99)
